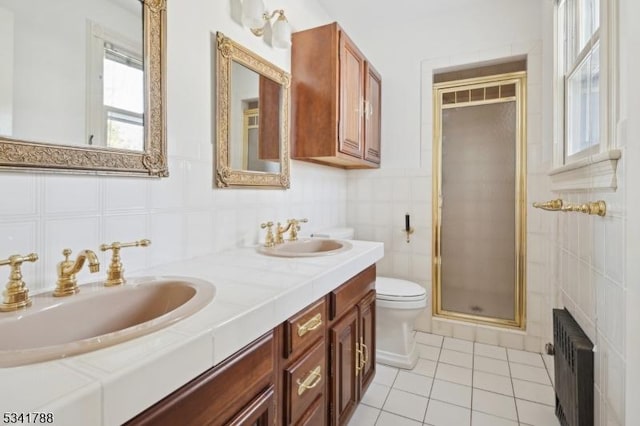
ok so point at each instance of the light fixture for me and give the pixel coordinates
(255, 16)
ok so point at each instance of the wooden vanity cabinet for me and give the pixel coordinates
(336, 99)
(311, 370)
(239, 391)
(352, 342)
(303, 367)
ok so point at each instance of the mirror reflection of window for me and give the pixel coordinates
(123, 103)
(115, 101)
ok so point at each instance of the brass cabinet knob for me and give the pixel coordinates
(16, 294)
(115, 273)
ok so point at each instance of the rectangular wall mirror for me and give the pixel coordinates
(82, 86)
(252, 147)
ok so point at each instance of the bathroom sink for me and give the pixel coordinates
(307, 247)
(97, 317)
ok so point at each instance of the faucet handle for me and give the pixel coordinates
(16, 294)
(294, 227)
(268, 240)
(115, 274)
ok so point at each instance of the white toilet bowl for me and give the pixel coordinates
(398, 304)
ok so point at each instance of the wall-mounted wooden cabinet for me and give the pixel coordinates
(336, 100)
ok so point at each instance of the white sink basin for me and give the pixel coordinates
(97, 317)
(307, 247)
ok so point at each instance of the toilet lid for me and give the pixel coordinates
(397, 289)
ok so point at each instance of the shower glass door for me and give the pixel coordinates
(479, 195)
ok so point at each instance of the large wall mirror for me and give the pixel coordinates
(82, 86)
(252, 147)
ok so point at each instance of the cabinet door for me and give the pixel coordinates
(372, 113)
(343, 336)
(367, 341)
(351, 98)
(260, 412)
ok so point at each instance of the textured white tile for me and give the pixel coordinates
(493, 403)
(425, 367)
(512, 340)
(443, 414)
(458, 345)
(71, 194)
(428, 352)
(492, 382)
(522, 357)
(429, 339)
(83, 407)
(535, 414)
(532, 374)
(460, 359)
(127, 228)
(482, 419)
(385, 375)
(452, 393)
(364, 416)
(21, 238)
(491, 365)
(414, 383)
(44, 383)
(534, 392)
(376, 395)
(18, 194)
(453, 373)
(388, 419)
(490, 351)
(126, 194)
(406, 404)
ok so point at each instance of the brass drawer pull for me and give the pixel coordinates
(311, 381)
(359, 356)
(365, 353)
(312, 324)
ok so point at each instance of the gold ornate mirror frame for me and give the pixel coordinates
(19, 155)
(228, 51)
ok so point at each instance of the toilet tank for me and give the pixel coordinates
(336, 233)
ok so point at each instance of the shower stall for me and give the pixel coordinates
(479, 195)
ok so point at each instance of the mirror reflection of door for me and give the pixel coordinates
(254, 139)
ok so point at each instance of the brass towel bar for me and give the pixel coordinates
(596, 207)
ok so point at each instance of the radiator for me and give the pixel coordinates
(573, 363)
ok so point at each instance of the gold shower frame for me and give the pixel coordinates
(520, 80)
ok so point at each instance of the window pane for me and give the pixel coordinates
(589, 15)
(583, 104)
(123, 86)
(124, 131)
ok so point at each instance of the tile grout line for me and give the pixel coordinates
(513, 388)
(473, 370)
(433, 382)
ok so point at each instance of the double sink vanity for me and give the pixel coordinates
(248, 339)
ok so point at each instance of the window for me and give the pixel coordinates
(115, 113)
(585, 91)
(580, 61)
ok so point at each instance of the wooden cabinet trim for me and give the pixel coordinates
(260, 412)
(295, 344)
(295, 404)
(351, 292)
(220, 392)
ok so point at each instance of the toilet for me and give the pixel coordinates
(398, 304)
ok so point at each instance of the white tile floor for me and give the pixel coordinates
(460, 383)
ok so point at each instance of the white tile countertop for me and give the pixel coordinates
(254, 293)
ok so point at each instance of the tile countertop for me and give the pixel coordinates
(254, 293)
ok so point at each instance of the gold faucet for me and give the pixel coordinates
(16, 295)
(115, 274)
(293, 227)
(268, 240)
(67, 270)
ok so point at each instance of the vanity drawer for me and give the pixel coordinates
(315, 415)
(350, 293)
(304, 382)
(303, 329)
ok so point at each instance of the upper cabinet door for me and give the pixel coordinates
(352, 65)
(373, 115)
